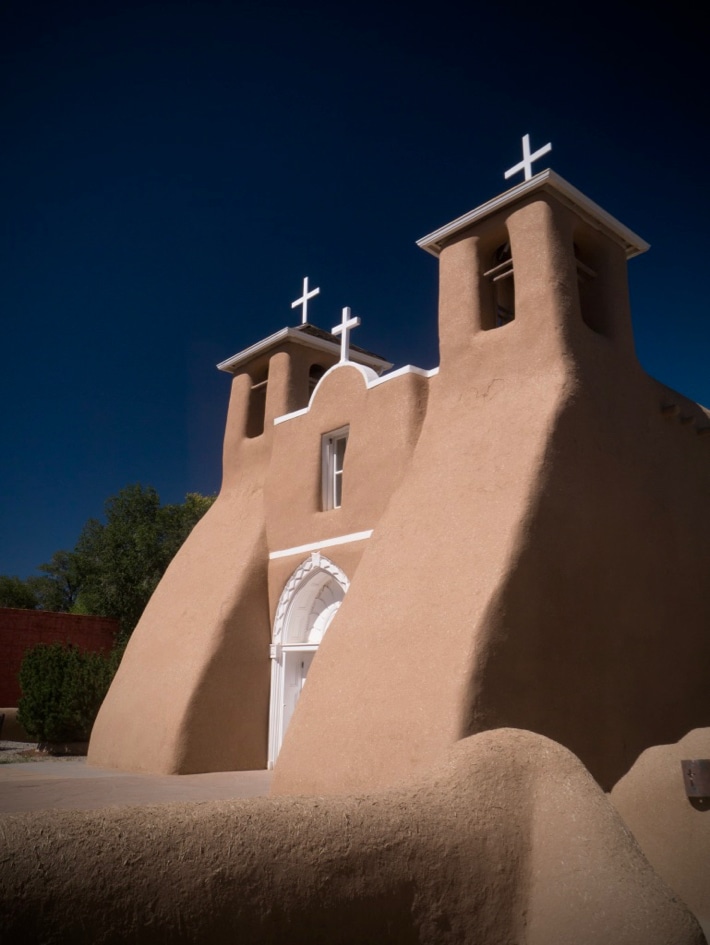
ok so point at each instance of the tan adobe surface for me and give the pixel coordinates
(538, 556)
(521, 548)
(508, 839)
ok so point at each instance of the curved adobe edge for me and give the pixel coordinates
(506, 819)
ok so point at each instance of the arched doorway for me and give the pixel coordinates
(307, 605)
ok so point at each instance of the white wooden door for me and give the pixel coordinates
(296, 666)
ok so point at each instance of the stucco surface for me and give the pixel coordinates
(196, 665)
(507, 840)
(542, 564)
(673, 833)
(539, 551)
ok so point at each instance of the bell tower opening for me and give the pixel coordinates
(502, 281)
(257, 403)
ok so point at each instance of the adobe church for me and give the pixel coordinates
(517, 538)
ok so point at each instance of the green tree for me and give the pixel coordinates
(58, 587)
(14, 592)
(116, 564)
(122, 559)
(62, 691)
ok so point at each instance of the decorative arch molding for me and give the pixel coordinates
(307, 605)
(304, 573)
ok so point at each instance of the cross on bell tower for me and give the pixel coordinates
(303, 301)
(343, 330)
(528, 159)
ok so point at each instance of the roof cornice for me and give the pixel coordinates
(300, 337)
(550, 182)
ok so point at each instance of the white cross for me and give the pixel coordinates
(344, 330)
(528, 158)
(304, 300)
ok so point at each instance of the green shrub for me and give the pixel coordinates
(62, 690)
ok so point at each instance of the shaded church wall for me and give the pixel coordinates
(602, 624)
(542, 564)
(192, 691)
(384, 698)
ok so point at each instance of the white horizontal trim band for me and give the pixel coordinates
(317, 545)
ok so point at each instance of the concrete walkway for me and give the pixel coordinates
(71, 784)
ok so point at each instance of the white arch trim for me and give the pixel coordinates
(314, 563)
(306, 607)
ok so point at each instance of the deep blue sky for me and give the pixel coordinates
(171, 170)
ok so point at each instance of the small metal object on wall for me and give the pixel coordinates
(696, 775)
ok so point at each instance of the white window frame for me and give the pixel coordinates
(332, 470)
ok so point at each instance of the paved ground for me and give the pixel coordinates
(69, 783)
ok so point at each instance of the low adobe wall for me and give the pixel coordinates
(672, 830)
(22, 629)
(508, 839)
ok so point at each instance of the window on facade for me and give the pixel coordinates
(501, 277)
(333, 458)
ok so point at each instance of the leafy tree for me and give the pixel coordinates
(122, 560)
(116, 564)
(14, 592)
(62, 691)
(58, 587)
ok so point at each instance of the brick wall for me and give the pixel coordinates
(21, 629)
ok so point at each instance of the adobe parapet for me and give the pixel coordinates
(371, 380)
(277, 376)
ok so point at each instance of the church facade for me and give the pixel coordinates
(517, 538)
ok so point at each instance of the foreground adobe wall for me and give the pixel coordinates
(507, 840)
(672, 831)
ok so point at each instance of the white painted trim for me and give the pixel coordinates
(317, 545)
(369, 383)
(400, 372)
(280, 651)
(291, 416)
(329, 466)
(545, 180)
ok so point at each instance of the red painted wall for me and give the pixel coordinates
(21, 629)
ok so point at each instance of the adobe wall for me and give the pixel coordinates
(198, 661)
(672, 831)
(526, 846)
(542, 564)
(607, 605)
(22, 629)
(384, 422)
(410, 624)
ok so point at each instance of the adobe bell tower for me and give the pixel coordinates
(539, 260)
